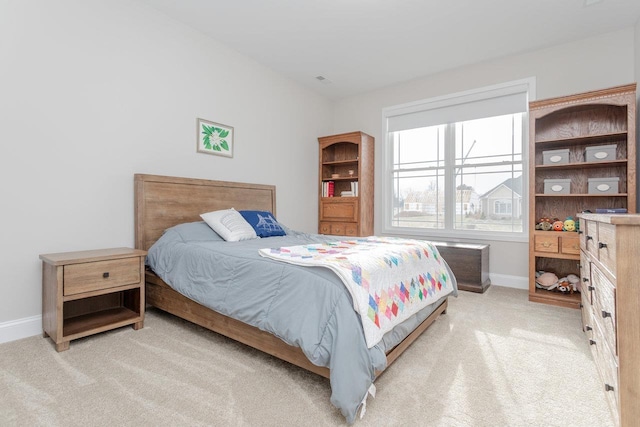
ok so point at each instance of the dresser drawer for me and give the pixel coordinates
(585, 277)
(604, 306)
(591, 238)
(99, 275)
(607, 367)
(586, 311)
(606, 246)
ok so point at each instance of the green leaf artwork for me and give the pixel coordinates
(214, 138)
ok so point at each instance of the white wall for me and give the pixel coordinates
(93, 92)
(588, 64)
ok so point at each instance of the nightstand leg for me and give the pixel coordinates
(138, 325)
(63, 346)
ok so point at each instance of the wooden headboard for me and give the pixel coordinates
(164, 201)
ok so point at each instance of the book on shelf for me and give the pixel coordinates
(347, 194)
(611, 210)
(327, 188)
(354, 188)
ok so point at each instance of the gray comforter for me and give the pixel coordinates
(307, 307)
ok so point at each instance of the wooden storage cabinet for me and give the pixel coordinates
(347, 162)
(572, 128)
(469, 262)
(611, 307)
(87, 292)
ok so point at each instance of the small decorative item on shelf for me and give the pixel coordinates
(335, 175)
(608, 185)
(550, 282)
(544, 224)
(351, 172)
(569, 224)
(555, 157)
(600, 153)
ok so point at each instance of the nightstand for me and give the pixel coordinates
(88, 292)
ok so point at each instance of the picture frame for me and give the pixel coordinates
(214, 138)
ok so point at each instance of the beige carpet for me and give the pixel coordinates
(493, 360)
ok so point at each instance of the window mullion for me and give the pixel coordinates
(449, 175)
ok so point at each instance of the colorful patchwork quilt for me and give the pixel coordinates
(389, 278)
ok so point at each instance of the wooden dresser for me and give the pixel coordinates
(610, 270)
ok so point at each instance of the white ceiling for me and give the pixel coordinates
(362, 45)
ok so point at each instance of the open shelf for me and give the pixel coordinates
(575, 126)
(556, 298)
(98, 321)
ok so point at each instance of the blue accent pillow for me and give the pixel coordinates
(264, 223)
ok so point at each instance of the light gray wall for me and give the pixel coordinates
(588, 64)
(93, 92)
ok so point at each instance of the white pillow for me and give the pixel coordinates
(230, 225)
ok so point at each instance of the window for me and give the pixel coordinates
(455, 166)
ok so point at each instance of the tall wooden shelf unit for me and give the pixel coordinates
(599, 118)
(340, 154)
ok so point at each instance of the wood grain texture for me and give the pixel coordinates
(162, 202)
(469, 264)
(610, 313)
(92, 303)
(152, 214)
(577, 122)
(339, 154)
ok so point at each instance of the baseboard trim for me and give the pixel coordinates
(30, 326)
(507, 281)
(20, 328)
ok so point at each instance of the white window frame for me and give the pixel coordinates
(527, 85)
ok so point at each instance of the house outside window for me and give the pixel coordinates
(455, 166)
(502, 207)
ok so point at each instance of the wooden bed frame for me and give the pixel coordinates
(163, 201)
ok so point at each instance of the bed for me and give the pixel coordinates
(171, 203)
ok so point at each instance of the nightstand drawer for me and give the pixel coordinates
(99, 275)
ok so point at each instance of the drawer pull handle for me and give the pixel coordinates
(605, 314)
(580, 232)
(105, 274)
(546, 244)
(602, 245)
(591, 288)
(588, 328)
(584, 279)
(608, 387)
(589, 237)
(592, 342)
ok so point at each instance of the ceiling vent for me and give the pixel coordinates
(323, 80)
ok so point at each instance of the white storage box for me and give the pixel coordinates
(603, 185)
(555, 157)
(600, 153)
(557, 186)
